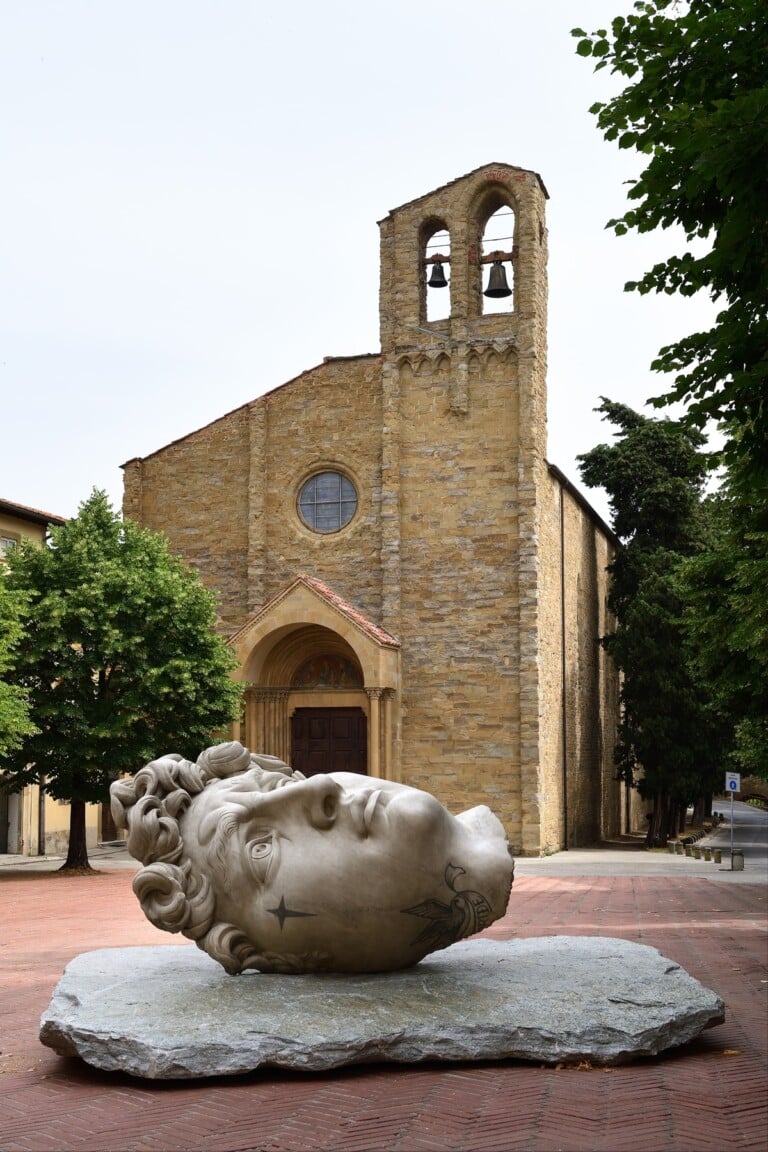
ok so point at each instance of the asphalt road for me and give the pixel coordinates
(750, 834)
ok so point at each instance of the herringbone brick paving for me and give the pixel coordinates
(708, 1096)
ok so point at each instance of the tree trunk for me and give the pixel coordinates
(664, 822)
(658, 820)
(699, 811)
(77, 853)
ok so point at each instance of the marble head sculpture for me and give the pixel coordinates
(265, 869)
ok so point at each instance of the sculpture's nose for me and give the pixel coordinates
(321, 799)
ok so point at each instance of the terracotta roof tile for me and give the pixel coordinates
(35, 515)
(380, 635)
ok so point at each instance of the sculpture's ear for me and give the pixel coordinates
(165, 897)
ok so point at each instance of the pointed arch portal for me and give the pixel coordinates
(323, 683)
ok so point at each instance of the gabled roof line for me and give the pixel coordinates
(584, 504)
(338, 603)
(32, 515)
(466, 176)
(249, 404)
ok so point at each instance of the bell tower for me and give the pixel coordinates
(459, 213)
(464, 473)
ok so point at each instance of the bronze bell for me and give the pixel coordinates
(437, 279)
(497, 282)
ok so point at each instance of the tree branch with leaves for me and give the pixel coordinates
(696, 105)
(673, 737)
(118, 656)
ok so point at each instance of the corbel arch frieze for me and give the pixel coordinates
(431, 363)
(498, 361)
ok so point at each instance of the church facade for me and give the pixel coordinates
(411, 589)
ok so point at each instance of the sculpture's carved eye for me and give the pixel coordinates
(260, 854)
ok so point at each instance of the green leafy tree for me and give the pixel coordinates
(727, 613)
(696, 104)
(672, 738)
(119, 659)
(15, 723)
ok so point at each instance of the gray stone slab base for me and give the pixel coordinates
(173, 1013)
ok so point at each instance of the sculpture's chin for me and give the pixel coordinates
(492, 867)
(480, 821)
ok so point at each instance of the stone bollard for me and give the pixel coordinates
(679, 848)
(671, 847)
(707, 853)
(718, 855)
(737, 860)
(696, 852)
(688, 850)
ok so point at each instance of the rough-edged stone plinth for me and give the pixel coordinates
(171, 1012)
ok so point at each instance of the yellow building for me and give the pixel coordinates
(31, 823)
(411, 588)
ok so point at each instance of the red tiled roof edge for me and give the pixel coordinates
(34, 515)
(380, 635)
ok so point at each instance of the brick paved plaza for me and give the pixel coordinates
(709, 1096)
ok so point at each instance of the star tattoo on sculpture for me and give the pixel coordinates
(282, 913)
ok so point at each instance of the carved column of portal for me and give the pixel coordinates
(374, 727)
(267, 721)
(248, 732)
(386, 760)
(282, 727)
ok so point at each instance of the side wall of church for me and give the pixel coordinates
(579, 798)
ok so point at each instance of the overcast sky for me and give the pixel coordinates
(190, 191)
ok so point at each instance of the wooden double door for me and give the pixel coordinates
(329, 740)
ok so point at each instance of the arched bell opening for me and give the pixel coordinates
(436, 271)
(497, 255)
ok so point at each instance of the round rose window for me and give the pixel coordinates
(327, 501)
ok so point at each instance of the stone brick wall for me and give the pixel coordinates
(329, 417)
(580, 799)
(458, 573)
(195, 490)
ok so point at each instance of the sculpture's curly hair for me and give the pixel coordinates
(173, 894)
